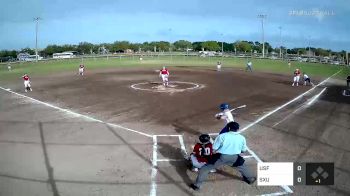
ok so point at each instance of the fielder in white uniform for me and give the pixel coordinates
(307, 80)
(218, 66)
(249, 66)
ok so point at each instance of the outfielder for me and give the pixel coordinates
(26, 80)
(218, 66)
(225, 115)
(296, 77)
(202, 152)
(81, 69)
(164, 74)
(249, 66)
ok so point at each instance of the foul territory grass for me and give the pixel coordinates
(263, 65)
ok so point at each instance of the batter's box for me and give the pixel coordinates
(169, 148)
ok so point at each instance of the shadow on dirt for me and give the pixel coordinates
(335, 94)
(181, 167)
(182, 128)
(289, 83)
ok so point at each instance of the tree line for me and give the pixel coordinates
(164, 46)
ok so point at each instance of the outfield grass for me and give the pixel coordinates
(265, 65)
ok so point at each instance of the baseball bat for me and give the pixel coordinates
(239, 107)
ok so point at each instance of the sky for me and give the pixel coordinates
(318, 23)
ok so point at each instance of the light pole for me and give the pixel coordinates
(309, 47)
(171, 55)
(262, 17)
(36, 37)
(222, 47)
(280, 41)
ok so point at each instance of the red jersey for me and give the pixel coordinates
(164, 72)
(81, 66)
(25, 78)
(203, 152)
(297, 72)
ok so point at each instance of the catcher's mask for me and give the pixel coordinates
(204, 138)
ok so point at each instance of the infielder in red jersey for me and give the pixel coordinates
(26, 80)
(164, 74)
(202, 152)
(81, 69)
(296, 77)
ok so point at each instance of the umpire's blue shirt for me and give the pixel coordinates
(230, 143)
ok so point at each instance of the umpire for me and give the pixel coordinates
(227, 147)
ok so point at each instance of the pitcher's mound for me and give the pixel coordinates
(173, 87)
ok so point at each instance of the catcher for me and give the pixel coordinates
(202, 152)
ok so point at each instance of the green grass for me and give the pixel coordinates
(265, 65)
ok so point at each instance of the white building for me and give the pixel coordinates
(28, 57)
(64, 55)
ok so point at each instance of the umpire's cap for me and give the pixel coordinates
(233, 126)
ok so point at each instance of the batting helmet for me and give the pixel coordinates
(233, 126)
(224, 106)
(204, 138)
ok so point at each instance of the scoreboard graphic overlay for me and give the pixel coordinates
(290, 174)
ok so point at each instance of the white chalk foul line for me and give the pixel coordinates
(183, 147)
(286, 188)
(282, 106)
(274, 194)
(153, 191)
(286, 104)
(168, 160)
(316, 97)
(75, 113)
(163, 135)
(313, 99)
(289, 115)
